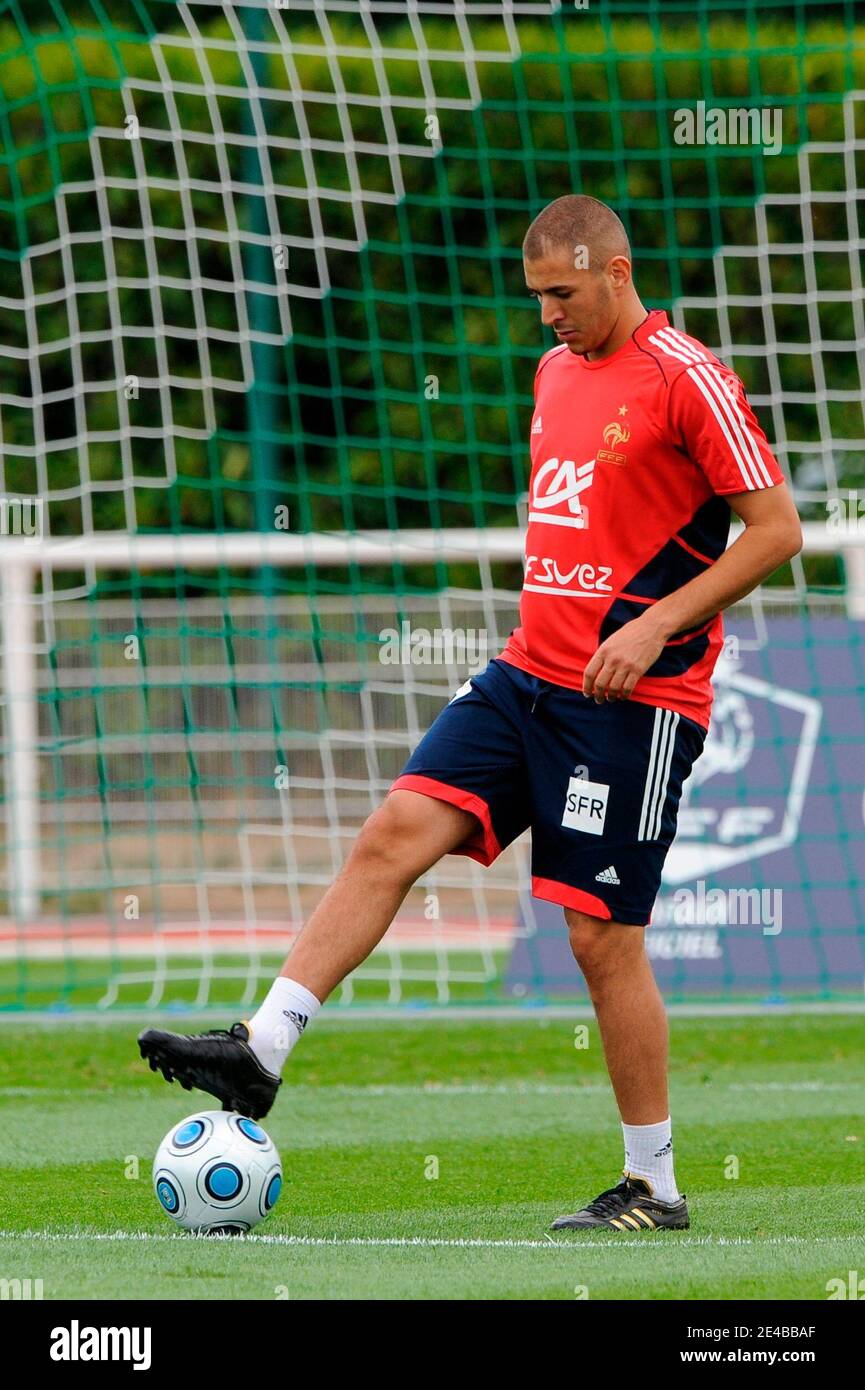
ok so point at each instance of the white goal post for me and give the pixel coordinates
(22, 560)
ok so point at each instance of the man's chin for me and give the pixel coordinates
(573, 341)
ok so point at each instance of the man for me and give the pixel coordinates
(588, 723)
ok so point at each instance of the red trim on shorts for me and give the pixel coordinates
(580, 901)
(566, 896)
(483, 845)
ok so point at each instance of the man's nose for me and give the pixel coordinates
(551, 312)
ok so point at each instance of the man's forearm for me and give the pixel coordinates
(773, 533)
(756, 554)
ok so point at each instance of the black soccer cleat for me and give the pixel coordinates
(221, 1062)
(629, 1206)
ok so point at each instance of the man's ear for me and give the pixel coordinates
(619, 271)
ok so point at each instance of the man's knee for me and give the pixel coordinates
(403, 836)
(383, 838)
(601, 947)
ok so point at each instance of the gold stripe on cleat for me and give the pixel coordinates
(634, 1225)
(652, 1225)
(614, 1221)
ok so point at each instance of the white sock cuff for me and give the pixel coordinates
(287, 989)
(647, 1132)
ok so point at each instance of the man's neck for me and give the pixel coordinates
(628, 320)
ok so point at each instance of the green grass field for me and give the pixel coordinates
(523, 1126)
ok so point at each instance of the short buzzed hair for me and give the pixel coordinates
(575, 221)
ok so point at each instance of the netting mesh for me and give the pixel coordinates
(261, 271)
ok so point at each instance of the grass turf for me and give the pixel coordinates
(523, 1126)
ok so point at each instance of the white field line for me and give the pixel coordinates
(435, 1088)
(365, 1016)
(790, 1086)
(415, 1242)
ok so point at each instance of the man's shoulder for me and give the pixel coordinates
(672, 352)
(678, 353)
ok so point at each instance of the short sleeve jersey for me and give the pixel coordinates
(631, 458)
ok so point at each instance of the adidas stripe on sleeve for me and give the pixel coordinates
(712, 420)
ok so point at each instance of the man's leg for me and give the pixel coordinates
(401, 840)
(633, 1028)
(464, 786)
(630, 1013)
(635, 1037)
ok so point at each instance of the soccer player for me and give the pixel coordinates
(587, 724)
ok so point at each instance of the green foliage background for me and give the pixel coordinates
(436, 288)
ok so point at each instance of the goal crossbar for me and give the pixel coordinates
(22, 559)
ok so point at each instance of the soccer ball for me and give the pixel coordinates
(217, 1173)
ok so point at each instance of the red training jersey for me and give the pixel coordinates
(632, 455)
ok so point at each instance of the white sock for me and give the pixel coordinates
(649, 1155)
(279, 1022)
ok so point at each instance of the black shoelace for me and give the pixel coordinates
(610, 1201)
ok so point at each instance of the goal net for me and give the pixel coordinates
(264, 401)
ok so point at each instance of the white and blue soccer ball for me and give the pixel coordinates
(217, 1173)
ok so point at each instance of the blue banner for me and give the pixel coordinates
(764, 888)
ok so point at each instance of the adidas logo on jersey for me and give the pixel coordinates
(608, 876)
(537, 427)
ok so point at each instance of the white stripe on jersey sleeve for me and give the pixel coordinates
(676, 339)
(668, 349)
(743, 463)
(743, 445)
(730, 406)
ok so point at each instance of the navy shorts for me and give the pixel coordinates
(599, 785)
